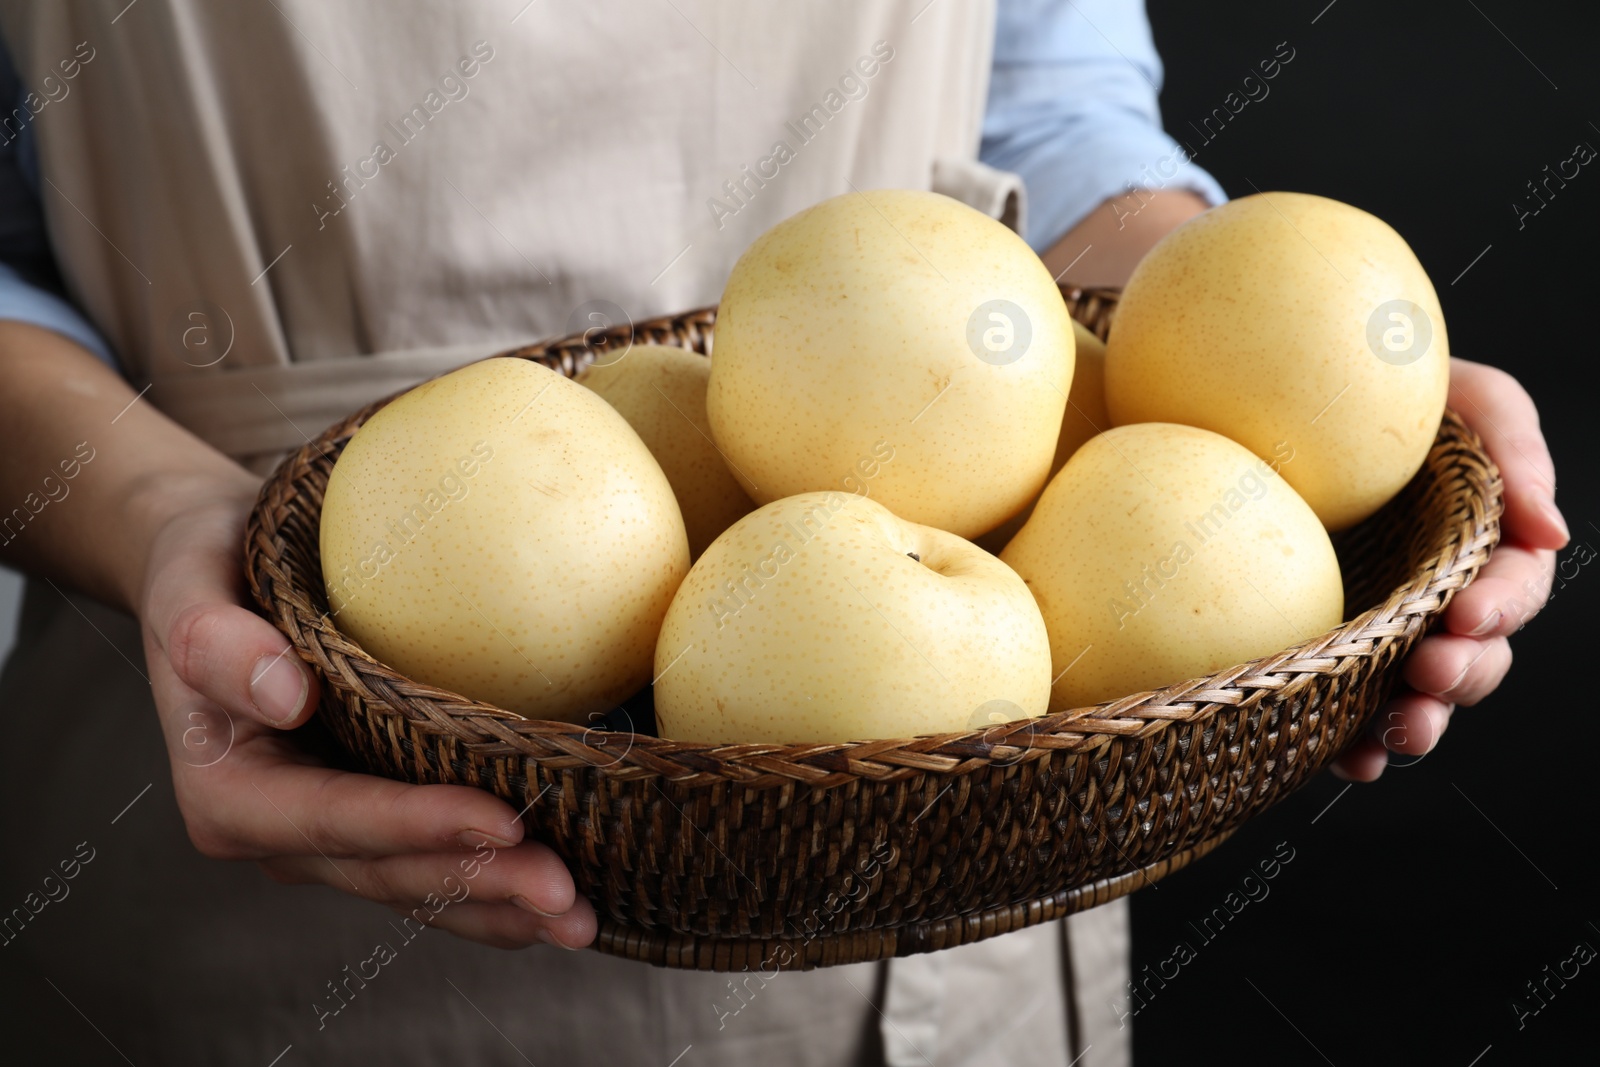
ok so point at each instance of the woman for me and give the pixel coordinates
(274, 213)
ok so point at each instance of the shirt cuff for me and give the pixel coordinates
(21, 301)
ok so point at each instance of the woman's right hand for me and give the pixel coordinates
(156, 526)
(228, 689)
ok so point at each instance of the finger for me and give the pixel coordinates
(1458, 670)
(447, 898)
(529, 876)
(1412, 723)
(1495, 405)
(1508, 592)
(270, 806)
(1363, 761)
(494, 925)
(218, 648)
(504, 926)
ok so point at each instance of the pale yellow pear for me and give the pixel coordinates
(661, 391)
(1163, 552)
(901, 317)
(1284, 317)
(502, 533)
(825, 618)
(1086, 416)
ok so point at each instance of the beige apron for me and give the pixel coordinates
(278, 211)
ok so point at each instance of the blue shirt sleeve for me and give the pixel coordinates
(30, 285)
(1072, 109)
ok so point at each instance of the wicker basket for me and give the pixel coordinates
(801, 856)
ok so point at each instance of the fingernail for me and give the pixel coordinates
(550, 939)
(477, 839)
(527, 905)
(278, 686)
(1554, 514)
(1487, 624)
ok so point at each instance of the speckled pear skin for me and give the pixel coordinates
(847, 324)
(808, 620)
(661, 391)
(1252, 320)
(544, 555)
(1085, 416)
(1163, 552)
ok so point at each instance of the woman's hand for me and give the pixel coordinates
(156, 526)
(227, 686)
(1466, 659)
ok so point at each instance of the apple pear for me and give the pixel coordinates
(893, 316)
(501, 532)
(661, 391)
(824, 618)
(1085, 417)
(1165, 552)
(1288, 318)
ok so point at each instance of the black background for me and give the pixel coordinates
(1416, 908)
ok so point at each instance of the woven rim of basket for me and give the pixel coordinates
(298, 605)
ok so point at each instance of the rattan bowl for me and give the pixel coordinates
(801, 856)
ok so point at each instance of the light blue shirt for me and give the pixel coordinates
(1072, 110)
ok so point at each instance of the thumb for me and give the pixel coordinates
(216, 646)
(239, 660)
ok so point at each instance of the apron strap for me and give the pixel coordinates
(997, 193)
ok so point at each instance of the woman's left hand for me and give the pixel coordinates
(1463, 661)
